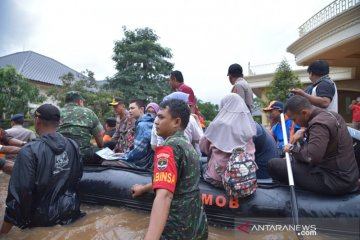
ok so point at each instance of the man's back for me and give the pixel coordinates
(242, 88)
(266, 149)
(79, 123)
(21, 133)
(186, 89)
(43, 185)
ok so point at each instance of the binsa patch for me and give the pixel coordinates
(162, 164)
(165, 171)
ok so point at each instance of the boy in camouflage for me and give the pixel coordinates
(177, 211)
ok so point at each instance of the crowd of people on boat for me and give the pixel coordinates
(170, 140)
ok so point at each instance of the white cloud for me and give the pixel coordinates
(205, 36)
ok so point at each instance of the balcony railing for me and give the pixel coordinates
(270, 68)
(333, 9)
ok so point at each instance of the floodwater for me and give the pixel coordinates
(105, 222)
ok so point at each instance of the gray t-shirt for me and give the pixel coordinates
(243, 89)
(21, 133)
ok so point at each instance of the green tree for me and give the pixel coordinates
(16, 92)
(142, 65)
(95, 98)
(284, 79)
(207, 109)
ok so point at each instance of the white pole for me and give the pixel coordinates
(287, 156)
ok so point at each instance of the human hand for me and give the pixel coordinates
(297, 91)
(288, 148)
(297, 136)
(353, 102)
(8, 167)
(137, 190)
(119, 154)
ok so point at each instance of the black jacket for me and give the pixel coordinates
(43, 185)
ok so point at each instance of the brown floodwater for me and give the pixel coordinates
(106, 222)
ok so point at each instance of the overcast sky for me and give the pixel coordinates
(205, 36)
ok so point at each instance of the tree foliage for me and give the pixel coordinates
(95, 98)
(207, 109)
(16, 92)
(142, 66)
(284, 79)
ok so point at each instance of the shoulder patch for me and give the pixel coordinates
(162, 164)
(163, 158)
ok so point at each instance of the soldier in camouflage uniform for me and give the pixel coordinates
(177, 211)
(81, 124)
(126, 140)
(123, 124)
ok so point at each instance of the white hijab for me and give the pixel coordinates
(233, 126)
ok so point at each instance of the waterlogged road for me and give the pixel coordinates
(100, 222)
(104, 222)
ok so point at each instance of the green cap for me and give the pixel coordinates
(73, 96)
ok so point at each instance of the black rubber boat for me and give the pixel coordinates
(339, 214)
(270, 203)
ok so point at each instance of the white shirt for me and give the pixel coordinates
(192, 132)
(333, 106)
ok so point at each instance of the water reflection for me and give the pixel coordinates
(104, 222)
(101, 222)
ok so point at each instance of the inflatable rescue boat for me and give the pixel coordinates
(270, 203)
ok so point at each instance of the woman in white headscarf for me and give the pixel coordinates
(233, 127)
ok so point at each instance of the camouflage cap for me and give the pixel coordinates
(73, 95)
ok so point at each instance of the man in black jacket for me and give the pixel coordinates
(43, 185)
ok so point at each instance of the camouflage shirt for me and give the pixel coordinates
(80, 124)
(122, 126)
(176, 168)
(126, 140)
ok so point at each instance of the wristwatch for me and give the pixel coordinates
(291, 148)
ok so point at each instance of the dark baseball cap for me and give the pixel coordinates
(116, 101)
(48, 112)
(274, 105)
(235, 69)
(17, 117)
(73, 96)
